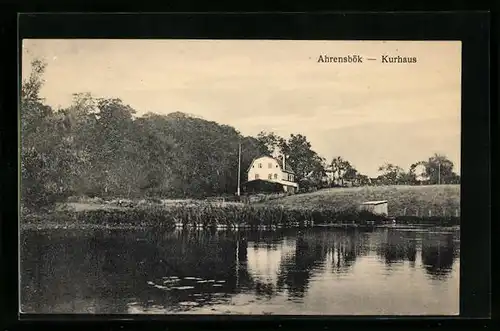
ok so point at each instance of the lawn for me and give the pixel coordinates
(440, 200)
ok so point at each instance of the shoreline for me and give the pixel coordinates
(77, 226)
(100, 227)
(216, 216)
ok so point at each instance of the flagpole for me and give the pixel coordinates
(239, 169)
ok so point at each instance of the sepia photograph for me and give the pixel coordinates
(244, 177)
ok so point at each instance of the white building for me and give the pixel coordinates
(269, 169)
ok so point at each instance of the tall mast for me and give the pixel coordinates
(239, 168)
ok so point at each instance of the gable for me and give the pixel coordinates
(266, 159)
(263, 160)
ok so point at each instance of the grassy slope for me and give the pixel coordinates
(439, 199)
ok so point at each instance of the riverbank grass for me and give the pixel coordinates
(427, 205)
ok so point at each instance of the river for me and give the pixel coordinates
(314, 271)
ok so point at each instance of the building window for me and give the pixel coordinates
(270, 165)
(260, 165)
(275, 176)
(276, 166)
(256, 176)
(270, 176)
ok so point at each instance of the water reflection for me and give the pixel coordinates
(346, 247)
(296, 269)
(397, 247)
(438, 255)
(192, 271)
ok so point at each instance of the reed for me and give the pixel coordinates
(211, 215)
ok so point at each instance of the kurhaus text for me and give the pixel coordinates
(360, 59)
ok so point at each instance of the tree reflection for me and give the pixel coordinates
(397, 246)
(296, 271)
(242, 251)
(205, 266)
(109, 271)
(346, 247)
(31, 273)
(61, 275)
(438, 255)
(265, 252)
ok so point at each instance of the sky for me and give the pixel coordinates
(369, 113)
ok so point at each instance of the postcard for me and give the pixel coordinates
(262, 177)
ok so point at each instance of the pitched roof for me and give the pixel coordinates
(374, 202)
(288, 168)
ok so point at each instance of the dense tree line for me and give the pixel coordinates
(98, 147)
(438, 169)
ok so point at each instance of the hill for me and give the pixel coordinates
(441, 200)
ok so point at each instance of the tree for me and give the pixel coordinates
(156, 151)
(418, 172)
(48, 157)
(350, 174)
(407, 178)
(339, 167)
(306, 163)
(362, 180)
(453, 179)
(33, 112)
(391, 174)
(31, 87)
(33, 127)
(115, 147)
(315, 177)
(439, 170)
(204, 160)
(78, 122)
(272, 144)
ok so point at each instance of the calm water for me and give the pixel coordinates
(309, 272)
